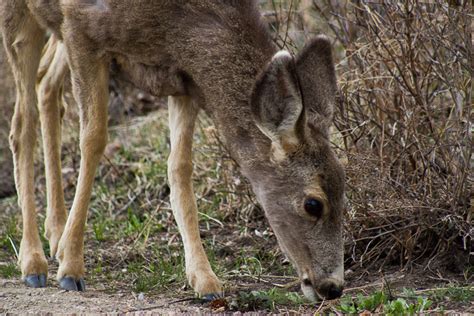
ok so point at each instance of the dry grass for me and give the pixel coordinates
(402, 124)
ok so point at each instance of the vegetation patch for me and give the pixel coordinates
(379, 302)
(9, 270)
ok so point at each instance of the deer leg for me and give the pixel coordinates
(89, 75)
(23, 41)
(52, 71)
(182, 116)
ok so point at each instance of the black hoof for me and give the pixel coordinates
(70, 284)
(35, 280)
(210, 297)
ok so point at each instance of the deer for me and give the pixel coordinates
(272, 109)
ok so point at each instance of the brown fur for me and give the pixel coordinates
(273, 112)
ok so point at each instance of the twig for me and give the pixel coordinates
(138, 309)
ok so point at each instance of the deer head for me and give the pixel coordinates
(301, 186)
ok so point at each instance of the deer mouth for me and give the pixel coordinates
(327, 289)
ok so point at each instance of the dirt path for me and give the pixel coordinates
(16, 298)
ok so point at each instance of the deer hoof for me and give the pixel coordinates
(70, 284)
(35, 280)
(210, 297)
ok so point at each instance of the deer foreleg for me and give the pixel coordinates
(89, 75)
(182, 116)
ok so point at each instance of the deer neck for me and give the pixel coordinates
(225, 83)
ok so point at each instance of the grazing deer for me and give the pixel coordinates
(272, 110)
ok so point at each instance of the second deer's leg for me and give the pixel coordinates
(52, 71)
(89, 74)
(182, 116)
(23, 41)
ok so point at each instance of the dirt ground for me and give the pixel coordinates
(17, 298)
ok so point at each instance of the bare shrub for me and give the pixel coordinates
(403, 121)
(404, 124)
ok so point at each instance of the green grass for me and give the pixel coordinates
(9, 271)
(380, 302)
(10, 238)
(266, 299)
(408, 302)
(133, 243)
(158, 274)
(453, 293)
(126, 210)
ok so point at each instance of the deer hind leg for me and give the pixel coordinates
(182, 116)
(23, 41)
(52, 70)
(89, 74)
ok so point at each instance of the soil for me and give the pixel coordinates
(17, 298)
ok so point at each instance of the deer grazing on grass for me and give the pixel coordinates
(272, 110)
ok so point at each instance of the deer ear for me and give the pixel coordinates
(316, 73)
(276, 105)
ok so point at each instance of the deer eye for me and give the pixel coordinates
(313, 207)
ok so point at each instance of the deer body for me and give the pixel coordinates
(272, 110)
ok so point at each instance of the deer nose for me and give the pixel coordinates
(334, 292)
(330, 290)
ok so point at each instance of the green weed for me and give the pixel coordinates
(99, 229)
(159, 274)
(9, 239)
(381, 303)
(134, 224)
(266, 299)
(9, 271)
(453, 293)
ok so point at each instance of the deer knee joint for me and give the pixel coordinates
(93, 144)
(62, 110)
(48, 97)
(15, 132)
(18, 134)
(14, 142)
(179, 171)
